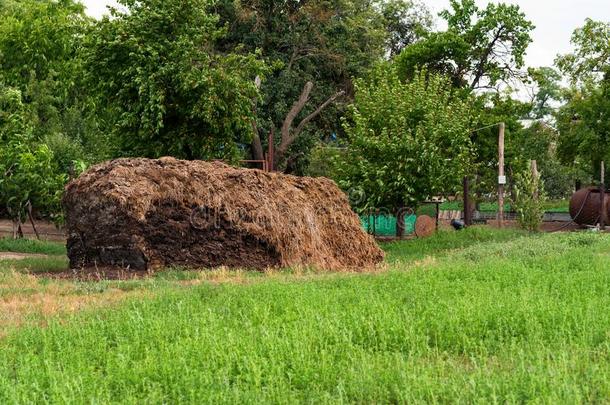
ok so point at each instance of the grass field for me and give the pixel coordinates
(562, 206)
(477, 316)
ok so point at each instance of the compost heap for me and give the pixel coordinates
(145, 214)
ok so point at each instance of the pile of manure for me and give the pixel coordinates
(144, 214)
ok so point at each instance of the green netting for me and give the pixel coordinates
(386, 225)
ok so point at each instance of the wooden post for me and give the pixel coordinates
(467, 210)
(602, 194)
(271, 150)
(501, 175)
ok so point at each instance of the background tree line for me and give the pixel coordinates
(364, 91)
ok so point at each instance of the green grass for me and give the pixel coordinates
(562, 206)
(445, 242)
(35, 265)
(494, 317)
(32, 246)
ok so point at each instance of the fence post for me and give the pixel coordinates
(501, 176)
(602, 194)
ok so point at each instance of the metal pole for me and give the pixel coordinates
(501, 175)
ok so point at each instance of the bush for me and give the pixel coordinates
(528, 199)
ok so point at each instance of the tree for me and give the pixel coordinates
(480, 48)
(529, 197)
(39, 47)
(584, 119)
(406, 23)
(316, 48)
(28, 175)
(546, 92)
(163, 85)
(407, 141)
(584, 126)
(591, 57)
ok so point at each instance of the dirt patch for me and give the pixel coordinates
(97, 274)
(143, 215)
(21, 256)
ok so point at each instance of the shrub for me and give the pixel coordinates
(528, 199)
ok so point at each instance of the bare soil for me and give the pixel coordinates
(20, 256)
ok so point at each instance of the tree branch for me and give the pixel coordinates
(481, 66)
(292, 114)
(288, 136)
(314, 114)
(257, 147)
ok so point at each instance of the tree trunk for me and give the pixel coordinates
(400, 222)
(288, 134)
(31, 217)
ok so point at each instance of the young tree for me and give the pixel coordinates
(407, 141)
(163, 85)
(28, 175)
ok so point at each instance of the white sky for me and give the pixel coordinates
(555, 21)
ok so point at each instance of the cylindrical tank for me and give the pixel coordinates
(585, 206)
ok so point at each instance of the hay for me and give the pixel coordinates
(145, 214)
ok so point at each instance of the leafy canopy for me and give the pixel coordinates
(584, 119)
(479, 49)
(591, 57)
(165, 87)
(408, 141)
(28, 175)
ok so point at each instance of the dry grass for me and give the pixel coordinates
(27, 299)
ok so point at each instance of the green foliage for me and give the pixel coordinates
(479, 49)
(407, 141)
(539, 142)
(584, 127)
(591, 58)
(548, 90)
(528, 200)
(164, 86)
(321, 161)
(327, 43)
(28, 175)
(39, 46)
(583, 119)
(406, 23)
(517, 319)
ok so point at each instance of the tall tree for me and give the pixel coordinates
(546, 92)
(584, 119)
(316, 47)
(591, 57)
(480, 48)
(165, 87)
(39, 56)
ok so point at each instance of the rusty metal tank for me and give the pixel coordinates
(585, 206)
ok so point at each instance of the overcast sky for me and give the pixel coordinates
(555, 21)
